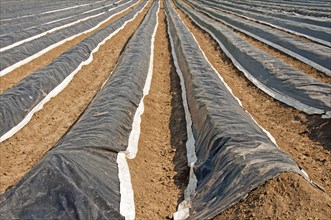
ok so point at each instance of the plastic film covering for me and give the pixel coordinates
(323, 22)
(40, 21)
(21, 100)
(26, 49)
(234, 154)
(313, 54)
(79, 177)
(73, 184)
(315, 33)
(314, 4)
(10, 10)
(18, 31)
(271, 75)
(314, 9)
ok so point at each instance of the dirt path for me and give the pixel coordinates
(12, 78)
(22, 151)
(287, 125)
(159, 172)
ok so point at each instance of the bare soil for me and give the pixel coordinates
(291, 128)
(319, 129)
(13, 77)
(22, 151)
(159, 173)
(287, 196)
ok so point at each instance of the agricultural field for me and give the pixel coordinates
(165, 109)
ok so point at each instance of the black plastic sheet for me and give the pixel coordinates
(17, 102)
(234, 155)
(12, 9)
(323, 22)
(315, 33)
(78, 178)
(17, 31)
(316, 5)
(25, 50)
(73, 184)
(322, 9)
(274, 77)
(35, 20)
(313, 54)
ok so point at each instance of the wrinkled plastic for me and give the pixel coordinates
(234, 154)
(313, 9)
(25, 50)
(313, 54)
(315, 33)
(323, 22)
(19, 31)
(79, 184)
(25, 9)
(19, 101)
(271, 75)
(41, 20)
(78, 178)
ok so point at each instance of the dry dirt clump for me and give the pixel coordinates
(319, 129)
(287, 196)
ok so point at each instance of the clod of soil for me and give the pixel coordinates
(287, 196)
(319, 129)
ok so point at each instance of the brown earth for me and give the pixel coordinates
(319, 129)
(159, 172)
(13, 77)
(22, 151)
(290, 128)
(287, 196)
